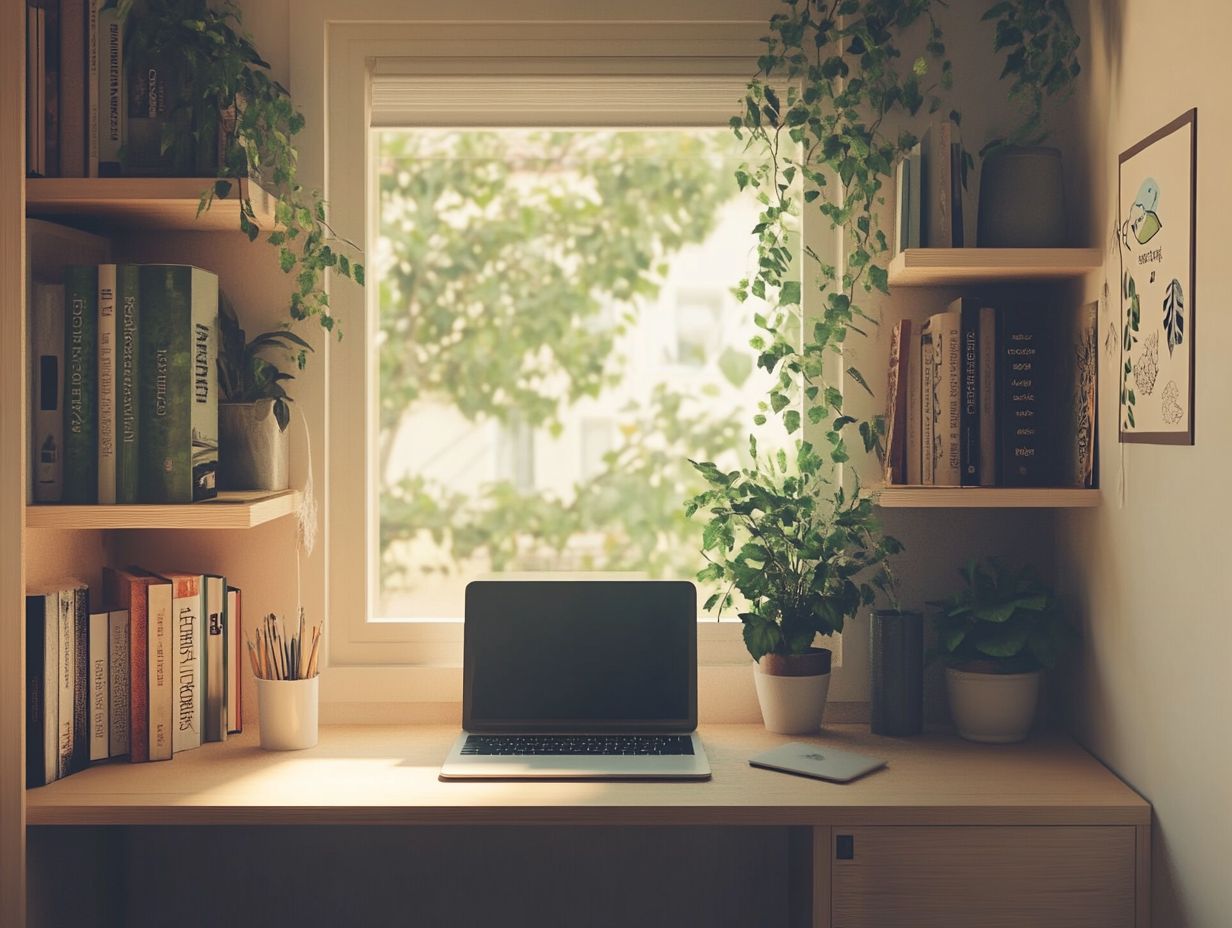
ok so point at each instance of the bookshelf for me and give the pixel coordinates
(231, 510)
(939, 267)
(143, 203)
(925, 497)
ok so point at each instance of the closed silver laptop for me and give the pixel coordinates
(579, 679)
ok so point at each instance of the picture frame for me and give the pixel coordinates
(1156, 242)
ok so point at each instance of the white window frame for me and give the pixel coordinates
(358, 647)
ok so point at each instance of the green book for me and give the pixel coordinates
(127, 384)
(80, 384)
(178, 339)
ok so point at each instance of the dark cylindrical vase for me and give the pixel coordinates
(896, 701)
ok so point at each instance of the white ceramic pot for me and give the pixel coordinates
(997, 708)
(287, 710)
(791, 693)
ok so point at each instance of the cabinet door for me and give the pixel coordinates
(979, 876)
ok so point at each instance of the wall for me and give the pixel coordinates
(1152, 695)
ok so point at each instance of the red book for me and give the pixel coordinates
(128, 590)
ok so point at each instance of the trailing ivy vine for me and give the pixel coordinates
(803, 551)
(224, 81)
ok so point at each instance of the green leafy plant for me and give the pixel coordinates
(804, 552)
(244, 376)
(1004, 620)
(1040, 45)
(225, 82)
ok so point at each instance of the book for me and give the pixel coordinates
(928, 394)
(128, 589)
(937, 186)
(1023, 404)
(969, 390)
(99, 677)
(47, 392)
(106, 383)
(957, 238)
(110, 82)
(81, 677)
(150, 96)
(72, 145)
(36, 103)
(80, 384)
(66, 663)
(915, 399)
(946, 364)
(188, 689)
(178, 339)
(896, 404)
(42, 687)
(1076, 395)
(127, 385)
(92, 90)
(118, 689)
(988, 396)
(909, 213)
(235, 679)
(51, 89)
(214, 726)
(161, 643)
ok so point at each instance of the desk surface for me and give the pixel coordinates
(388, 775)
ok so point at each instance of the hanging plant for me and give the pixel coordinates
(1040, 45)
(803, 552)
(224, 84)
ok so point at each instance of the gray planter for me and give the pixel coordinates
(252, 450)
(1022, 199)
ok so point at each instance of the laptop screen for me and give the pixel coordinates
(580, 655)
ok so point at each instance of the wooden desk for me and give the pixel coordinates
(948, 822)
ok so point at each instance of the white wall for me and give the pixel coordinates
(1153, 694)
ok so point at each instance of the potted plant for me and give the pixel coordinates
(253, 410)
(1022, 202)
(791, 532)
(995, 636)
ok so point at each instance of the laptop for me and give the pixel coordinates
(579, 679)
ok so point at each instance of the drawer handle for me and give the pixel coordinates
(845, 847)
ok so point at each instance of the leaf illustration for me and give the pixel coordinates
(1174, 315)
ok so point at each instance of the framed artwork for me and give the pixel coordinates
(1156, 227)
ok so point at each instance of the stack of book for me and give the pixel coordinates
(929, 201)
(124, 384)
(152, 671)
(97, 106)
(987, 396)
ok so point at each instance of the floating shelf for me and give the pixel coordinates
(912, 497)
(933, 267)
(239, 509)
(143, 203)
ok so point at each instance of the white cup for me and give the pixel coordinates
(288, 713)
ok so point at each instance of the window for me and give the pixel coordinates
(557, 338)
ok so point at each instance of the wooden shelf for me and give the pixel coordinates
(914, 497)
(387, 775)
(143, 203)
(935, 267)
(239, 509)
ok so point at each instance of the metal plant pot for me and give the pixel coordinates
(252, 450)
(1022, 199)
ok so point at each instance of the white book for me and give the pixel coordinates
(47, 391)
(235, 722)
(107, 359)
(66, 672)
(187, 628)
(988, 396)
(51, 685)
(161, 699)
(946, 331)
(938, 185)
(118, 708)
(99, 675)
(214, 727)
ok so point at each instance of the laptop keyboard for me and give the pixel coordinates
(596, 745)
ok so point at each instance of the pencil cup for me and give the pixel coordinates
(288, 712)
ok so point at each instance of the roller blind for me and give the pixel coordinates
(399, 100)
